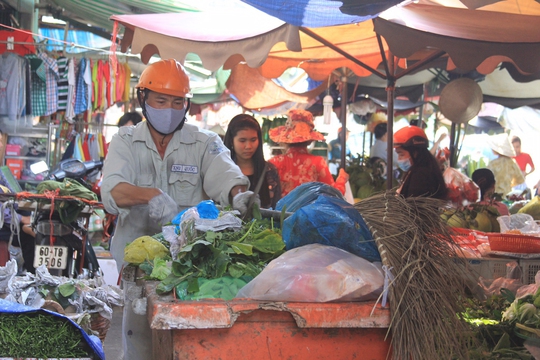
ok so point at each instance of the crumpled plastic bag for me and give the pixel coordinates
(144, 248)
(316, 273)
(461, 189)
(511, 281)
(7, 273)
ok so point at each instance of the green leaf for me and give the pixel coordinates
(66, 289)
(221, 262)
(190, 247)
(269, 244)
(193, 285)
(161, 269)
(256, 211)
(237, 270)
(239, 248)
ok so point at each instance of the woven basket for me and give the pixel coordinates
(100, 325)
(521, 244)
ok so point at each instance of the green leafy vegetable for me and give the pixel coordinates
(222, 255)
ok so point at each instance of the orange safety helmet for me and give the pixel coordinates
(410, 136)
(166, 77)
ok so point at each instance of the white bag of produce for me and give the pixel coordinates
(316, 273)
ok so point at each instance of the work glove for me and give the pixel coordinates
(162, 209)
(240, 201)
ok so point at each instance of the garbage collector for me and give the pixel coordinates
(158, 168)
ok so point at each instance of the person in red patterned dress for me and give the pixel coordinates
(297, 166)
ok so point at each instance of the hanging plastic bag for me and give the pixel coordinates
(330, 221)
(316, 273)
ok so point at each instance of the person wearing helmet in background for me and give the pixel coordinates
(423, 176)
(156, 169)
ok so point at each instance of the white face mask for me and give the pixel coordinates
(165, 121)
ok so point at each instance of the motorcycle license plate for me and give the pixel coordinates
(54, 257)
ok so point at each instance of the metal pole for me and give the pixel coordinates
(343, 118)
(391, 88)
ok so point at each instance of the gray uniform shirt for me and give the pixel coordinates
(196, 167)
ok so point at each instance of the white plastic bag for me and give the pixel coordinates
(316, 273)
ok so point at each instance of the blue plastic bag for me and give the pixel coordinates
(305, 194)
(330, 221)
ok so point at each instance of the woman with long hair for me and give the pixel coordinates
(423, 175)
(244, 139)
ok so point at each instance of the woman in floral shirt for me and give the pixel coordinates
(297, 166)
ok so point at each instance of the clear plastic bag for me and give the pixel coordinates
(316, 273)
(519, 224)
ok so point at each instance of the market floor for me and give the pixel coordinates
(113, 341)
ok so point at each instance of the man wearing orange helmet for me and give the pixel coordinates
(423, 176)
(159, 167)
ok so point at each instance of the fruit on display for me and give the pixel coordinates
(532, 208)
(473, 216)
(366, 179)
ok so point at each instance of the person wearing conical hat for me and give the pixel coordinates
(506, 171)
(297, 166)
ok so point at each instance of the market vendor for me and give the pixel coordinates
(423, 175)
(160, 167)
(485, 180)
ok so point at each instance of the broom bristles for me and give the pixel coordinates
(429, 280)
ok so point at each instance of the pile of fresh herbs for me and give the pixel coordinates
(241, 254)
(492, 336)
(40, 335)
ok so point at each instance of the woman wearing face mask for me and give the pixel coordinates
(244, 139)
(423, 176)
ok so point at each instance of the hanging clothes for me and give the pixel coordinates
(62, 63)
(96, 87)
(50, 69)
(81, 98)
(28, 88)
(17, 42)
(39, 86)
(12, 85)
(127, 82)
(72, 83)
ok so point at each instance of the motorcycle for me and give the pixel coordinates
(63, 247)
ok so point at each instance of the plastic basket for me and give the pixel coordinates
(530, 268)
(522, 244)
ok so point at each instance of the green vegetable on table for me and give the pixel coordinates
(39, 335)
(221, 254)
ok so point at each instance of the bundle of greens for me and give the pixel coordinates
(40, 335)
(217, 254)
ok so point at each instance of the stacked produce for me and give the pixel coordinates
(474, 216)
(366, 179)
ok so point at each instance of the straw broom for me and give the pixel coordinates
(429, 280)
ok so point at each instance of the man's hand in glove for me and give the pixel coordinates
(162, 208)
(240, 201)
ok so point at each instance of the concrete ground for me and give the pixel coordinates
(113, 341)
